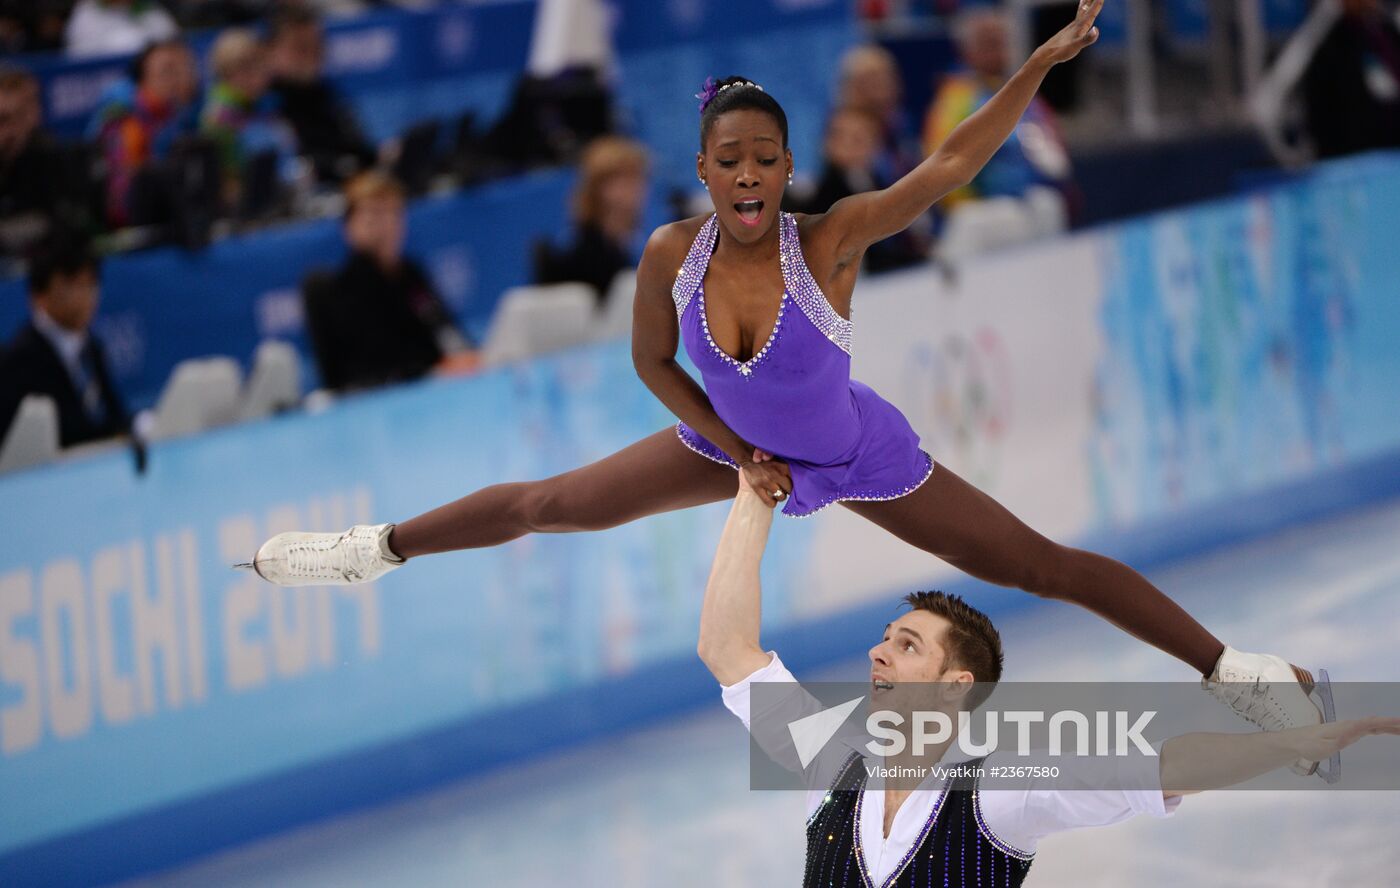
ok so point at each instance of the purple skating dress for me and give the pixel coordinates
(795, 397)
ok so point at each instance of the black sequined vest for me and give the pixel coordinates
(954, 849)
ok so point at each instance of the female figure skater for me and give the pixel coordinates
(762, 300)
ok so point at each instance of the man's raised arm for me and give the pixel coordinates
(729, 618)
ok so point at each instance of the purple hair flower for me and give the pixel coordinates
(707, 93)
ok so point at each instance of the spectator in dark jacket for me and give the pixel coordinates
(850, 160)
(41, 180)
(378, 319)
(325, 125)
(1352, 86)
(608, 202)
(56, 354)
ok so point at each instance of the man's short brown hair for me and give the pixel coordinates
(372, 185)
(972, 642)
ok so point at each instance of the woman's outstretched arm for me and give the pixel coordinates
(862, 219)
(655, 339)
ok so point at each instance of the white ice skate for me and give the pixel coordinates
(1275, 695)
(359, 555)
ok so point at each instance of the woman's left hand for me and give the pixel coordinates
(1075, 36)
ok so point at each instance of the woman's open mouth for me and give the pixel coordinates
(750, 210)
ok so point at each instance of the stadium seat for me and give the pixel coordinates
(33, 436)
(1048, 213)
(534, 320)
(616, 317)
(274, 383)
(201, 394)
(982, 225)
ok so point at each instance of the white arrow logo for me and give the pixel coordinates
(810, 733)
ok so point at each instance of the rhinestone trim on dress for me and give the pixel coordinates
(870, 496)
(692, 270)
(721, 458)
(745, 368)
(804, 290)
(798, 285)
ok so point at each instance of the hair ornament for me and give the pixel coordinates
(710, 90)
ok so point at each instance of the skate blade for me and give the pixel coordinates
(1333, 772)
(1321, 690)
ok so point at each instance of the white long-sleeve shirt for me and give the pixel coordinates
(1018, 817)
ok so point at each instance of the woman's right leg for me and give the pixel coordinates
(656, 474)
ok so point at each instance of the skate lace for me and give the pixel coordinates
(312, 561)
(347, 558)
(1252, 701)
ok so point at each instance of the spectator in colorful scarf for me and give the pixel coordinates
(239, 112)
(1034, 155)
(140, 119)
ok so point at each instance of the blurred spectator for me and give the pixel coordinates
(870, 83)
(1034, 155)
(549, 120)
(850, 153)
(326, 128)
(1352, 86)
(26, 166)
(378, 319)
(215, 14)
(239, 112)
(57, 355)
(32, 25)
(140, 119)
(607, 209)
(39, 178)
(116, 27)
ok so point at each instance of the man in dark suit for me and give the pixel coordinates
(55, 354)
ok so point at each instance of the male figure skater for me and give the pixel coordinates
(947, 832)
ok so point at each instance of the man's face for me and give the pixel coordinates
(19, 117)
(377, 227)
(852, 141)
(298, 53)
(911, 654)
(70, 300)
(874, 85)
(252, 76)
(985, 48)
(164, 76)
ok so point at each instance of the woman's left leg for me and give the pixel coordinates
(973, 532)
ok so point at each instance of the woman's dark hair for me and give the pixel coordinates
(742, 94)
